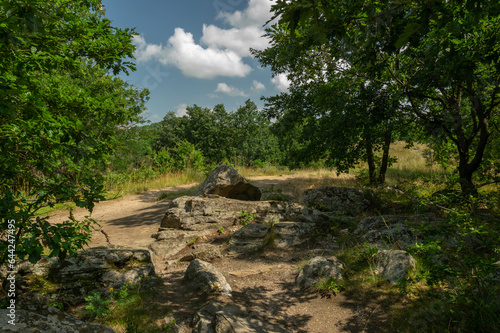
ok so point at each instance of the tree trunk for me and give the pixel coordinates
(385, 157)
(372, 172)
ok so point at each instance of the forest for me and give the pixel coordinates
(365, 76)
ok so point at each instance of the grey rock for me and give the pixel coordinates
(289, 234)
(203, 276)
(226, 182)
(218, 317)
(249, 238)
(319, 269)
(351, 201)
(391, 189)
(212, 212)
(391, 231)
(47, 319)
(72, 279)
(172, 241)
(206, 252)
(393, 265)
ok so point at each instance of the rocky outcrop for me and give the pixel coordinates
(200, 213)
(343, 200)
(393, 265)
(250, 238)
(319, 269)
(70, 280)
(218, 317)
(206, 252)
(169, 241)
(391, 231)
(289, 234)
(254, 237)
(203, 276)
(47, 319)
(226, 182)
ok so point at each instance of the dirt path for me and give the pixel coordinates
(130, 220)
(269, 293)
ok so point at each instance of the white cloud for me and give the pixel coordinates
(192, 59)
(223, 50)
(281, 82)
(228, 90)
(258, 86)
(145, 51)
(237, 40)
(181, 110)
(256, 14)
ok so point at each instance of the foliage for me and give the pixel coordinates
(331, 285)
(59, 112)
(437, 61)
(245, 218)
(97, 305)
(243, 137)
(458, 256)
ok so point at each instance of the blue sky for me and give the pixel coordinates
(197, 52)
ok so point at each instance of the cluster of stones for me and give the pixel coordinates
(219, 203)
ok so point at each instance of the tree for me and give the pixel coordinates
(347, 109)
(442, 57)
(60, 108)
(253, 139)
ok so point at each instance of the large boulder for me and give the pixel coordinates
(391, 231)
(70, 280)
(169, 241)
(212, 212)
(203, 276)
(206, 252)
(319, 269)
(46, 319)
(216, 317)
(343, 200)
(289, 234)
(393, 265)
(250, 238)
(226, 182)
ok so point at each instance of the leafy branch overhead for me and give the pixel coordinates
(385, 70)
(60, 105)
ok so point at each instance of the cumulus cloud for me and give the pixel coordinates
(236, 40)
(256, 14)
(181, 110)
(144, 51)
(193, 60)
(281, 82)
(220, 52)
(258, 86)
(228, 90)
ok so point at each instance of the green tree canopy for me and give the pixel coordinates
(440, 58)
(59, 111)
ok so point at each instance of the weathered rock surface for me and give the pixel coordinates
(218, 317)
(206, 252)
(203, 276)
(289, 234)
(169, 241)
(47, 319)
(226, 182)
(69, 281)
(389, 231)
(318, 269)
(350, 201)
(249, 238)
(212, 212)
(393, 265)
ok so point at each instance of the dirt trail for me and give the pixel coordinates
(268, 292)
(130, 220)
